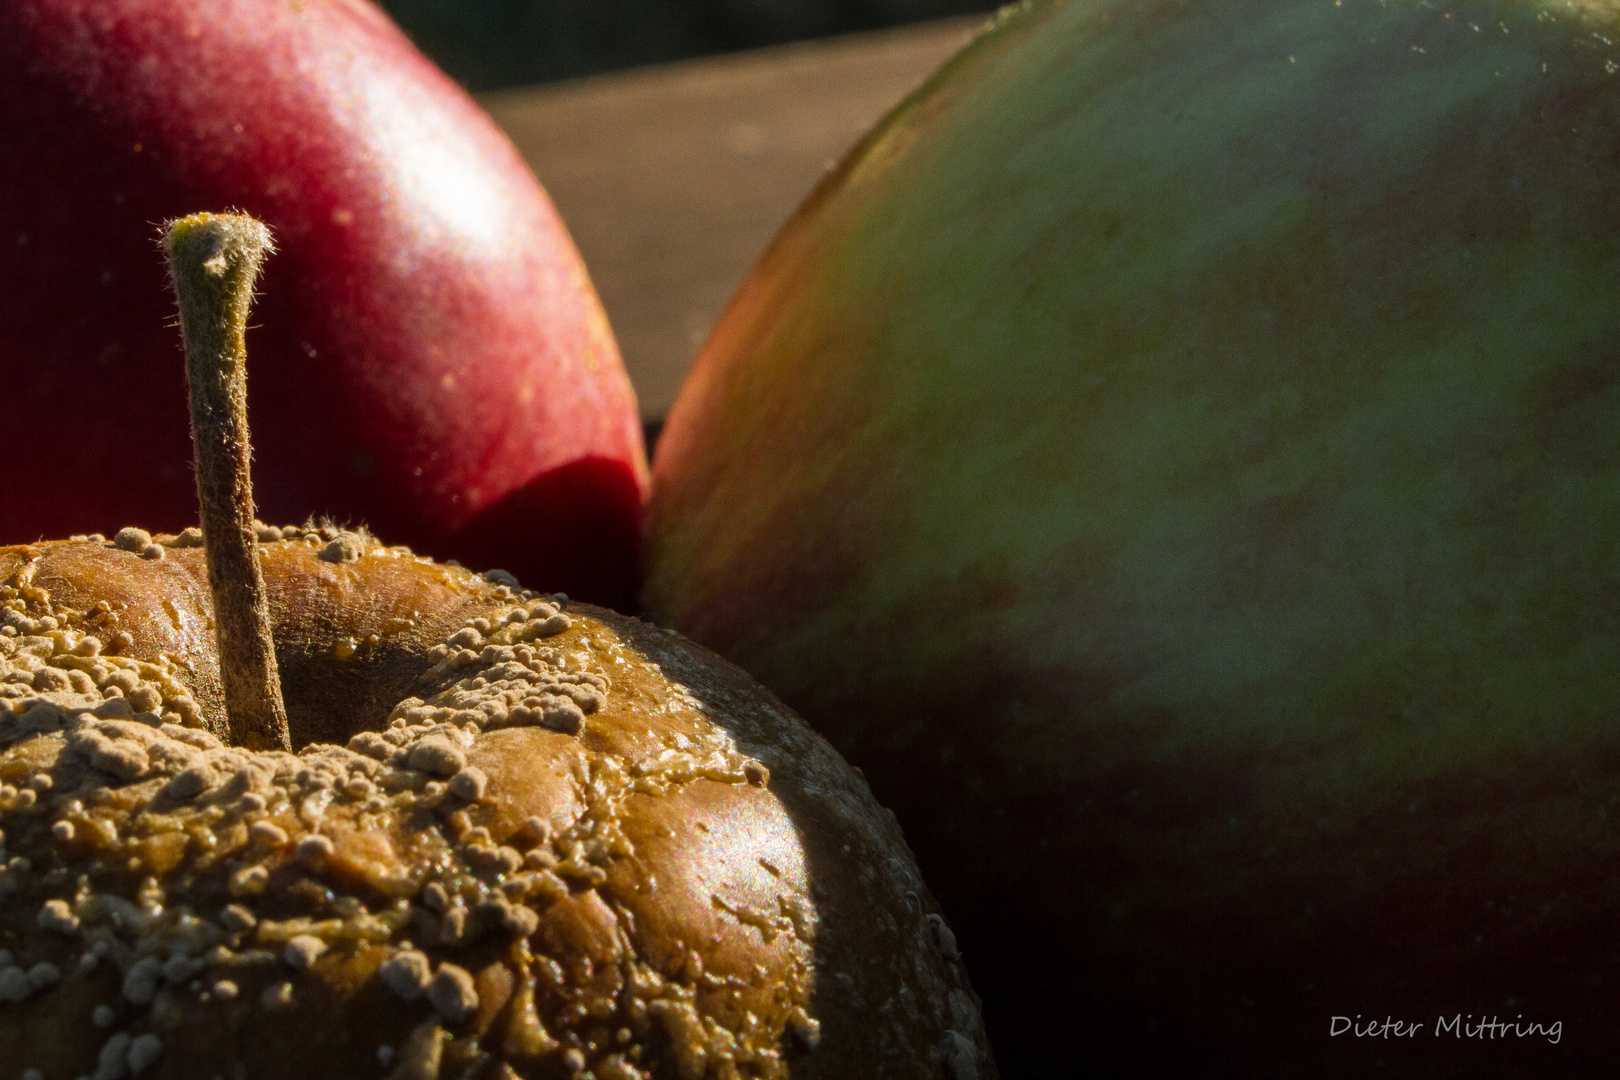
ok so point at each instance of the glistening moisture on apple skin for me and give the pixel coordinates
(1457, 1025)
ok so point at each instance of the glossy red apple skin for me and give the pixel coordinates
(429, 356)
(1177, 457)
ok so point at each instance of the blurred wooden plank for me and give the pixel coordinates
(673, 179)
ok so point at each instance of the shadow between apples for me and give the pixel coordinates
(574, 529)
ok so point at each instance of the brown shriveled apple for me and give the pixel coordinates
(521, 837)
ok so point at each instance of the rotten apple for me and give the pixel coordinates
(290, 802)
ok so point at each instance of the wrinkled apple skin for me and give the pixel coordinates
(1177, 456)
(428, 356)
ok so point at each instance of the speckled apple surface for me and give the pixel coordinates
(522, 838)
(429, 357)
(1177, 456)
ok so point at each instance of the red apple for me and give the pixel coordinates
(1177, 456)
(430, 356)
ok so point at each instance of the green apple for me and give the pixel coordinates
(1177, 455)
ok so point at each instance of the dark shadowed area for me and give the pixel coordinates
(491, 44)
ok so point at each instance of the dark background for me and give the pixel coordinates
(491, 44)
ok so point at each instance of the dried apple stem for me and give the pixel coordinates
(213, 261)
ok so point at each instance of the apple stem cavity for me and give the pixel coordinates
(214, 260)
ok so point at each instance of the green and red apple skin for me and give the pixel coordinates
(430, 357)
(1177, 457)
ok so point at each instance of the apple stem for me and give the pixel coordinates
(214, 260)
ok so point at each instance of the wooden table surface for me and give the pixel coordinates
(673, 179)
